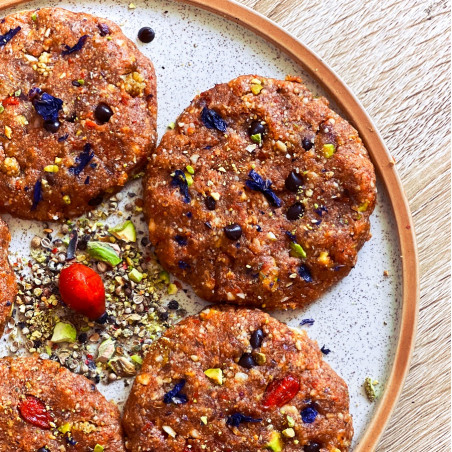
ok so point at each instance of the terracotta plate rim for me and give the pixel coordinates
(342, 96)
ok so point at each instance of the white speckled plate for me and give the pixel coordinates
(363, 319)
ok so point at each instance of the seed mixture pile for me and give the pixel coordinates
(134, 286)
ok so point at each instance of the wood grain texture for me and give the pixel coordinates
(395, 56)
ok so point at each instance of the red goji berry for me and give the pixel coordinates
(279, 392)
(34, 412)
(10, 101)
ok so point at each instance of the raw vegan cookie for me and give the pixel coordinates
(261, 194)
(78, 112)
(46, 408)
(234, 379)
(8, 287)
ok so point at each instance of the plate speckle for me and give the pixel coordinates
(358, 319)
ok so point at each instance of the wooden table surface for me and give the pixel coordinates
(395, 57)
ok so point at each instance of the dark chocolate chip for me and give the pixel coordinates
(255, 128)
(211, 204)
(146, 34)
(173, 304)
(247, 361)
(295, 211)
(256, 338)
(312, 447)
(51, 125)
(103, 113)
(307, 143)
(293, 181)
(103, 318)
(233, 231)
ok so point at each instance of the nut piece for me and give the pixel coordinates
(11, 166)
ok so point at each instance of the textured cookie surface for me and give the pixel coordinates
(8, 287)
(235, 379)
(78, 117)
(260, 195)
(43, 405)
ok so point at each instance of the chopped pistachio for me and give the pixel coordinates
(297, 250)
(289, 433)
(34, 17)
(256, 89)
(65, 428)
(106, 350)
(51, 168)
(363, 207)
(189, 178)
(135, 275)
(164, 276)
(2, 108)
(275, 443)
(370, 389)
(122, 366)
(172, 289)
(171, 125)
(98, 448)
(64, 332)
(125, 231)
(66, 199)
(190, 169)
(103, 252)
(256, 138)
(328, 150)
(81, 81)
(260, 358)
(290, 421)
(215, 375)
(137, 359)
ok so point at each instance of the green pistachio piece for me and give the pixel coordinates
(106, 350)
(328, 150)
(64, 332)
(370, 389)
(164, 276)
(256, 138)
(297, 250)
(98, 448)
(275, 444)
(65, 428)
(103, 252)
(125, 231)
(135, 275)
(137, 359)
(190, 169)
(188, 178)
(215, 375)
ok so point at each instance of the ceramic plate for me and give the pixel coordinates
(368, 319)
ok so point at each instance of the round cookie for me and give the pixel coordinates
(261, 195)
(234, 379)
(8, 287)
(46, 408)
(78, 116)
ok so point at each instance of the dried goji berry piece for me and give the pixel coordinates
(279, 392)
(34, 412)
(10, 101)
